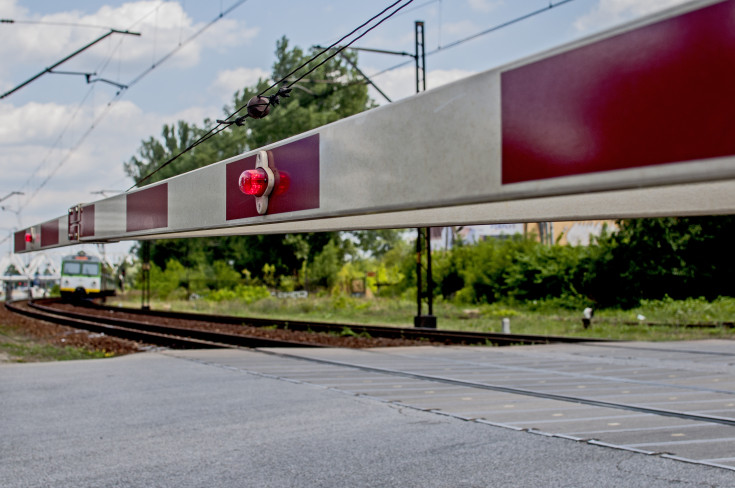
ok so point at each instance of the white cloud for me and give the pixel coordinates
(231, 80)
(461, 28)
(484, 5)
(608, 12)
(33, 121)
(227, 33)
(10, 9)
(27, 135)
(162, 25)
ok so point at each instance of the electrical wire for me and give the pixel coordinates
(221, 127)
(331, 46)
(338, 51)
(69, 121)
(100, 69)
(65, 59)
(120, 92)
(182, 44)
(476, 35)
(500, 26)
(63, 24)
(223, 124)
(68, 155)
(421, 5)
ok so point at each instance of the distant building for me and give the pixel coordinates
(577, 233)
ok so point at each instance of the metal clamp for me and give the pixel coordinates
(74, 227)
(261, 161)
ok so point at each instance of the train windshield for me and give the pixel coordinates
(77, 268)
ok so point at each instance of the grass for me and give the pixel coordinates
(23, 349)
(533, 318)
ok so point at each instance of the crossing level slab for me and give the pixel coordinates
(605, 394)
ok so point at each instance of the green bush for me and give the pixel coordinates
(648, 259)
(511, 269)
(245, 293)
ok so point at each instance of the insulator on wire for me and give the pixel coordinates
(258, 107)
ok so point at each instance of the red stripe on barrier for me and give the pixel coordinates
(20, 241)
(50, 233)
(298, 161)
(147, 209)
(87, 221)
(659, 94)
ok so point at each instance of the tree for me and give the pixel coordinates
(328, 94)
(652, 258)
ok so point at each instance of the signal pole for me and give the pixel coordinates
(145, 296)
(423, 234)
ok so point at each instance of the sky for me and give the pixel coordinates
(63, 141)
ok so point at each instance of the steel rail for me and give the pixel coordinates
(135, 334)
(439, 336)
(175, 337)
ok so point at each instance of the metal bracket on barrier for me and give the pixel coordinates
(261, 161)
(75, 222)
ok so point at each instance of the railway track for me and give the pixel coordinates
(162, 335)
(108, 316)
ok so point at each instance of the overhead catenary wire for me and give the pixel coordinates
(51, 23)
(478, 34)
(65, 59)
(283, 91)
(217, 129)
(164, 58)
(69, 122)
(119, 93)
(67, 157)
(101, 68)
(369, 81)
(339, 50)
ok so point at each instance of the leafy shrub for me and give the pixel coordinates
(244, 293)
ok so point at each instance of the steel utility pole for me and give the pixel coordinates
(423, 235)
(145, 296)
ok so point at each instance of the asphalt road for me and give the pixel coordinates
(154, 419)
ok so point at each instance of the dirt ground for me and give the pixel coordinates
(311, 338)
(18, 327)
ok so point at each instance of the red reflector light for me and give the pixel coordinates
(29, 237)
(284, 183)
(254, 182)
